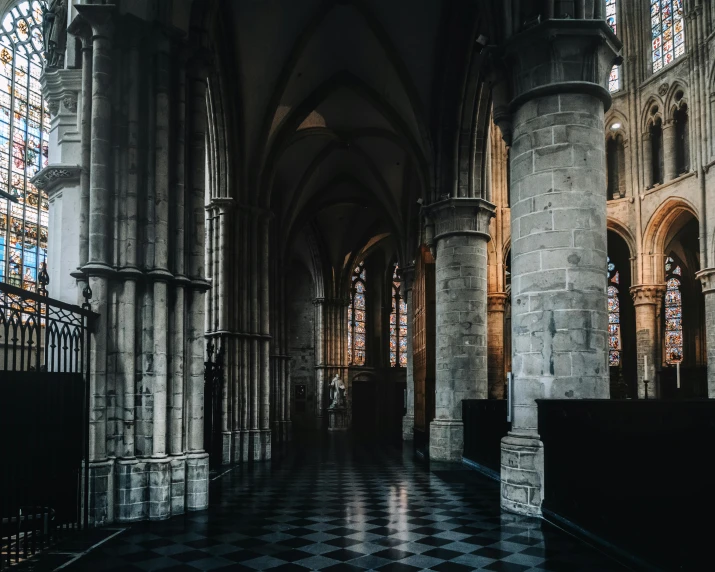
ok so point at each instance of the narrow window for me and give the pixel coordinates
(667, 32)
(614, 316)
(614, 80)
(398, 325)
(356, 317)
(24, 129)
(673, 313)
(656, 141)
(682, 155)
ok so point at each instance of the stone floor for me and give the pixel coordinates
(340, 505)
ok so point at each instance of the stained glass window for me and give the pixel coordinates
(673, 313)
(667, 31)
(398, 325)
(614, 80)
(356, 317)
(24, 129)
(614, 316)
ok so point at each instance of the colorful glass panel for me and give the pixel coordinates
(673, 313)
(356, 317)
(614, 79)
(614, 316)
(667, 32)
(398, 325)
(24, 133)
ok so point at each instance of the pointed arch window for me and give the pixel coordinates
(614, 80)
(673, 313)
(667, 32)
(24, 131)
(398, 324)
(614, 316)
(357, 317)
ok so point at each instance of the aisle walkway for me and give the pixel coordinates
(337, 505)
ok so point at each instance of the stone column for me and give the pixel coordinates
(707, 278)
(320, 381)
(647, 160)
(669, 171)
(496, 303)
(647, 299)
(558, 228)
(97, 267)
(408, 422)
(461, 235)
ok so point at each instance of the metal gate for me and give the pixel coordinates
(213, 400)
(44, 400)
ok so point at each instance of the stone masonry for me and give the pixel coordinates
(461, 235)
(558, 229)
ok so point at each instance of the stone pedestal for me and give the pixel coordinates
(461, 235)
(647, 299)
(337, 419)
(558, 227)
(707, 278)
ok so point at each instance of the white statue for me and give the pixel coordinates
(338, 392)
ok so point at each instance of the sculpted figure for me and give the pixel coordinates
(54, 31)
(337, 392)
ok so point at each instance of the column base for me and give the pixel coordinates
(197, 481)
(226, 447)
(132, 480)
(177, 465)
(101, 492)
(522, 474)
(259, 445)
(240, 446)
(446, 440)
(159, 501)
(408, 427)
(286, 431)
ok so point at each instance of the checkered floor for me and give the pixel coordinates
(337, 505)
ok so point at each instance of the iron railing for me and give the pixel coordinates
(44, 404)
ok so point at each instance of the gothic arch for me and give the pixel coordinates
(647, 117)
(670, 103)
(656, 233)
(623, 231)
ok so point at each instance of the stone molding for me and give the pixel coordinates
(561, 56)
(496, 301)
(460, 216)
(647, 294)
(61, 86)
(56, 177)
(707, 279)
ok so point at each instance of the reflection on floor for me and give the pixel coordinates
(339, 505)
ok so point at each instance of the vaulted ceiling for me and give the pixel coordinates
(340, 106)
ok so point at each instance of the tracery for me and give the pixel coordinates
(357, 317)
(398, 324)
(24, 121)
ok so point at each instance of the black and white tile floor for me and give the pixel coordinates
(338, 505)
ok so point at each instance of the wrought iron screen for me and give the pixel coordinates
(44, 404)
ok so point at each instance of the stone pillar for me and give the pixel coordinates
(647, 299)
(461, 235)
(669, 155)
(320, 376)
(647, 160)
(707, 278)
(408, 422)
(558, 228)
(496, 304)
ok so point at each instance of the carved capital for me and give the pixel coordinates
(460, 216)
(54, 106)
(69, 100)
(61, 86)
(647, 294)
(100, 17)
(561, 56)
(707, 279)
(496, 301)
(55, 177)
(407, 276)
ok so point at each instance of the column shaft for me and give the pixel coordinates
(646, 299)
(461, 234)
(497, 375)
(669, 155)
